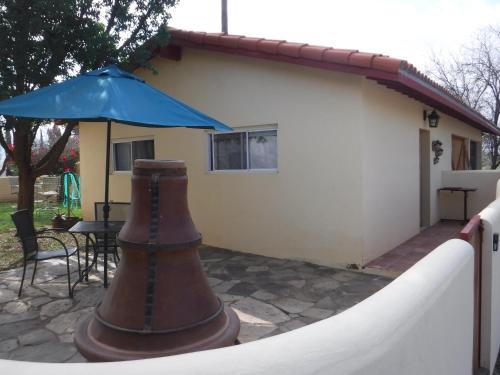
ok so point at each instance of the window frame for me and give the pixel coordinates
(211, 150)
(126, 140)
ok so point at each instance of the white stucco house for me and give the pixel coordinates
(331, 158)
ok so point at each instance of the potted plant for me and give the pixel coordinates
(58, 221)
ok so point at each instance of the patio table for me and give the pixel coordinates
(86, 228)
(452, 189)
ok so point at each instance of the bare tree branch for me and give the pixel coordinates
(112, 16)
(140, 26)
(473, 76)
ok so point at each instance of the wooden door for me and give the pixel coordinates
(459, 153)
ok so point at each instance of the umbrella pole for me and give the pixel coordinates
(106, 203)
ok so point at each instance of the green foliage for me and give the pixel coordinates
(46, 40)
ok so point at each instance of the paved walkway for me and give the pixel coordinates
(404, 256)
(270, 296)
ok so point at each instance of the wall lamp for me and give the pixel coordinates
(433, 118)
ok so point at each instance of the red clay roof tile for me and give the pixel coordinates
(230, 41)
(212, 39)
(196, 37)
(290, 49)
(249, 44)
(392, 72)
(387, 64)
(313, 52)
(268, 46)
(362, 59)
(338, 56)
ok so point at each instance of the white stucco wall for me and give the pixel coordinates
(419, 324)
(310, 209)
(448, 126)
(347, 185)
(490, 284)
(390, 147)
(391, 179)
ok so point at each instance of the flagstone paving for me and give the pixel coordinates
(270, 296)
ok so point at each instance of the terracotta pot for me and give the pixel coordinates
(63, 222)
(160, 302)
(58, 222)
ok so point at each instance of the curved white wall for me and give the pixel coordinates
(490, 284)
(421, 323)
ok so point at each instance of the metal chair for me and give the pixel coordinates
(31, 250)
(118, 211)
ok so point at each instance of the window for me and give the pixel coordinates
(246, 150)
(475, 155)
(125, 152)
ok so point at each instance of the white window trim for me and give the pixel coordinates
(246, 129)
(124, 140)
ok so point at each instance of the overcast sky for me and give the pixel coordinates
(408, 29)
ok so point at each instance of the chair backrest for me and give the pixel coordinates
(26, 231)
(118, 211)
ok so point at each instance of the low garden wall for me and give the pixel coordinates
(421, 323)
(5, 190)
(490, 296)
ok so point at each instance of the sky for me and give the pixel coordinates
(406, 29)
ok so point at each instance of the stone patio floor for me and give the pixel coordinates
(270, 296)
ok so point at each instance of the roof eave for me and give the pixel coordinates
(398, 75)
(445, 103)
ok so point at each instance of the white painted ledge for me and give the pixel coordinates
(421, 323)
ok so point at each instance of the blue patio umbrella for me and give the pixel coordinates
(105, 95)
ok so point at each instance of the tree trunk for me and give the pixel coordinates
(29, 172)
(26, 194)
(27, 177)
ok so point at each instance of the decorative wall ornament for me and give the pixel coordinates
(437, 148)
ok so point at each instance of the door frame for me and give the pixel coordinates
(425, 177)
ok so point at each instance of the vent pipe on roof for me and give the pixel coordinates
(224, 15)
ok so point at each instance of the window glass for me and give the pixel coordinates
(122, 156)
(262, 147)
(125, 153)
(474, 153)
(143, 149)
(229, 151)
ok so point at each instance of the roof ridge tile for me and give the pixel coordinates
(269, 45)
(372, 65)
(248, 43)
